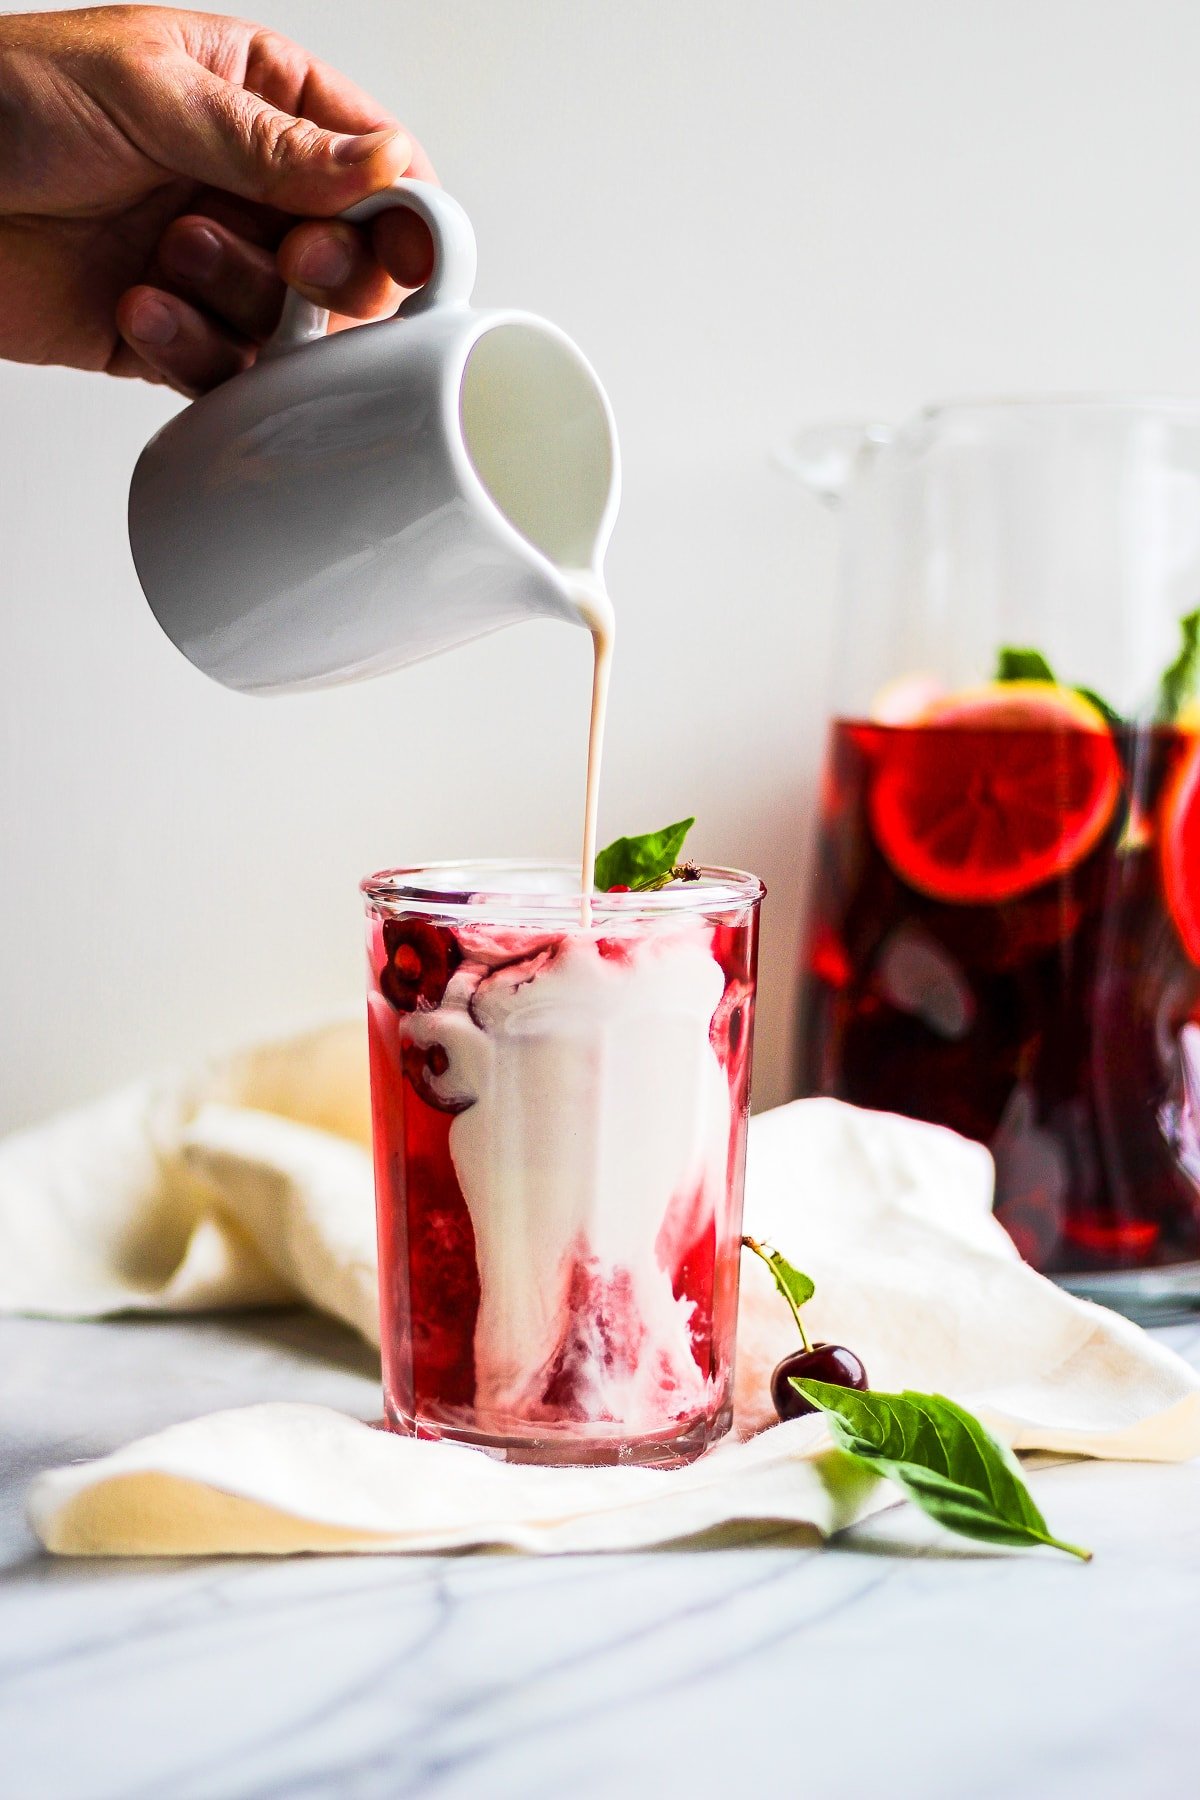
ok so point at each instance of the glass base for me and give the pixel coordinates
(1164, 1296)
(561, 1450)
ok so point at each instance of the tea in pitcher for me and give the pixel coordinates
(1005, 939)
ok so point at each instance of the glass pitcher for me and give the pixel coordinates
(1004, 930)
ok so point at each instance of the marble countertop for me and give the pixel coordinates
(897, 1661)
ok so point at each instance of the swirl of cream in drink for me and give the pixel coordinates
(591, 1148)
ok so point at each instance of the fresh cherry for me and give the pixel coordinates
(421, 958)
(823, 1362)
(815, 1362)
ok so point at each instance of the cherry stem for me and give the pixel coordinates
(765, 1253)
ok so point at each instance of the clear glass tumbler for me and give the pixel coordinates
(559, 1115)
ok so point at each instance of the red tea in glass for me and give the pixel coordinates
(559, 1121)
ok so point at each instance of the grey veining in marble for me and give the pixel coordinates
(897, 1662)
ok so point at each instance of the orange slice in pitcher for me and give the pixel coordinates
(1180, 848)
(993, 792)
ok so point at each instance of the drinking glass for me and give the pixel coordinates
(559, 1116)
(1004, 934)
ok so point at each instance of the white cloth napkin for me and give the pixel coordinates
(251, 1184)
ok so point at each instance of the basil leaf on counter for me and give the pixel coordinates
(1178, 684)
(637, 862)
(942, 1457)
(1023, 665)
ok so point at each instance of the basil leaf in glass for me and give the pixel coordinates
(639, 863)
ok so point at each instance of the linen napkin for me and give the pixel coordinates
(250, 1184)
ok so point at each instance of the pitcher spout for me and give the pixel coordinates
(825, 459)
(538, 433)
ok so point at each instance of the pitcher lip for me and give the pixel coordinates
(483, 322)
(482, 889)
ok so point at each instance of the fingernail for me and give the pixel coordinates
(324, 263)
(194, 253)
(360, 149)
(153, 323)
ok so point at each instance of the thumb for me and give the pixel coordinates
(218, 133)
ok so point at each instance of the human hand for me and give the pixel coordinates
(153, 166)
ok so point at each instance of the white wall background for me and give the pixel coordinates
(750, 216)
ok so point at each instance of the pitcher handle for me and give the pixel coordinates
(823, 458)
(450, 284)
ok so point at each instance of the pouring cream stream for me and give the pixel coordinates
(590, 597)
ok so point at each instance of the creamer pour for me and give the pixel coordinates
(596, 611)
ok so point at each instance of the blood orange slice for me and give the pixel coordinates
(993, 792)
(1180, 848)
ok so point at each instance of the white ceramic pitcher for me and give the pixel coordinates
(356, 502)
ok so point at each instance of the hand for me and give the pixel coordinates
(153, 165)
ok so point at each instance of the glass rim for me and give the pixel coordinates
(1116, 402)
(719, 890)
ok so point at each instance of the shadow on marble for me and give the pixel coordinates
(306, 1335)
(39, 1569)
(862, 1541)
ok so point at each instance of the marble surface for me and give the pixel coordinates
(897, 1661)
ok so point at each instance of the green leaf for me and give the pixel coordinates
(1109, 713)
(1023, 665)
(795, 1287)
(638, 862)
(1031, 665)
(1178, 684)
(942, 1457)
